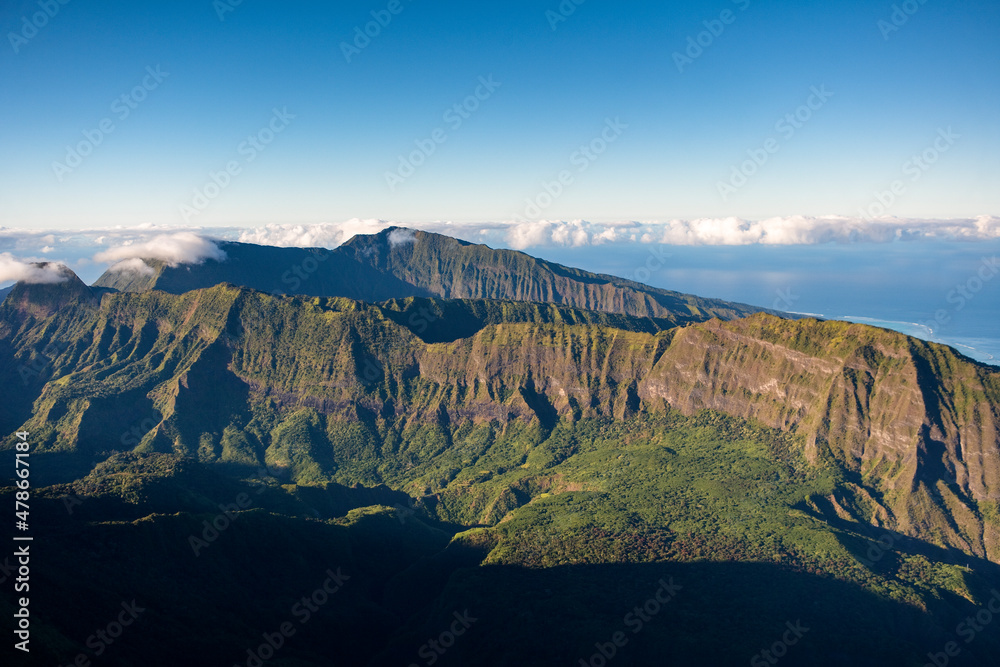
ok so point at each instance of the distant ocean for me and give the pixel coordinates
(946, 292)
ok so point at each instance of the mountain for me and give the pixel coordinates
(4, 292)
(912, 425)
(45, 299)
(399, 263)
(542, 475)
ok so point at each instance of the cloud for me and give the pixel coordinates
(134, 265)
(322, 235)
(178, 245)
(790, 230)
(173, 249)
(43, 273)
(398, 237)
(732, 231)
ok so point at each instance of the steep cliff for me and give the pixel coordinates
(340, 390)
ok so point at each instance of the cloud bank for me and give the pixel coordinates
(173, 249)
(789, 230)
(13, 269)
(323, 235)
(793, 230)
(186, 245)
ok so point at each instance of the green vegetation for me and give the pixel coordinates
(542, 465)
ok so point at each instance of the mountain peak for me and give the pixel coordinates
(42, 300)
(395, 237)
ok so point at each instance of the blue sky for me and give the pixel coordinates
(836, 157)
(893, 94)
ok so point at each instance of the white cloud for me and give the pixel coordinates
(174, 249)
(17, 270)
(399, 237)
(787, 230)
(177, 245)
(134, 265)
(322, 235)
(791, 230)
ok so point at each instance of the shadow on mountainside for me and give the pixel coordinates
(378, 590)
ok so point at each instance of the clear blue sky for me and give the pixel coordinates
(686, 130)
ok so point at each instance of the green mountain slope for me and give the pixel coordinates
(338, 390)
(543, 469)
(712, 508)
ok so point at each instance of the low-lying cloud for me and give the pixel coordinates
(191, 245)
(399, 237)
(172, 249)
(17, 270)
(792, 230)
(322, 235)
(788, 230)
(134, 265)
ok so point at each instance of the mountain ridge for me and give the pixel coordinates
(400, 263)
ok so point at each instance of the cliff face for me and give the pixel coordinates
(915, 426)
(316, 386)
(453, 269)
